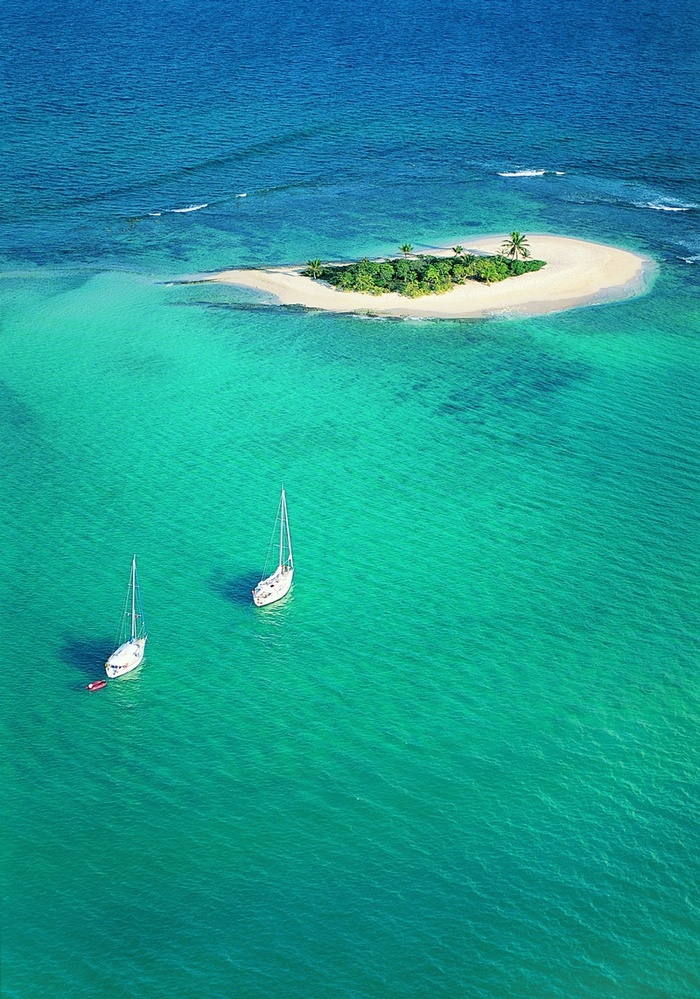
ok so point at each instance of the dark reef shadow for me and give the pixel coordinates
(235, 589)
(517, 382)
(87, 655)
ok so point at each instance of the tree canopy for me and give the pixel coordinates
(516, 246)
(424, 275)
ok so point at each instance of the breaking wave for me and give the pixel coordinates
(521, 173)
(660, 207)
(190, 208)
(531, 173)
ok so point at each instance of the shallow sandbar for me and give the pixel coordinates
(576, 273)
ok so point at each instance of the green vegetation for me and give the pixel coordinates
(516, 246)
(425, 275)
(314, 268)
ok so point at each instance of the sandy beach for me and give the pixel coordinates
(576, 273)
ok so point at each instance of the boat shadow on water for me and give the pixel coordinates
(87, 655)
(236, 589)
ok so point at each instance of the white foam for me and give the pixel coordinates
(155, 213)
(521, 173)
(244, 195)
(190, 208)
(658, 207)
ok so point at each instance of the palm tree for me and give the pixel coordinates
(469, 260)
(457, 250)
(406, 249)
(516, 246)
(314, 268)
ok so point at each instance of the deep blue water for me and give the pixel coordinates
(462, 758)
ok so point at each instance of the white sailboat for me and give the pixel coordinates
(274, 587)
(130, 652)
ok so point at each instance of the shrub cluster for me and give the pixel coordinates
(423, 275)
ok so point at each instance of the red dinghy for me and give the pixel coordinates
(96, 685)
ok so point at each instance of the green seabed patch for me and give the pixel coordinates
(420, 275)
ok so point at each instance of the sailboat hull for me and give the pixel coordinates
(272, 589)
(126, 658)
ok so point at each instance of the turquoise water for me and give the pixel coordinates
(461, 758)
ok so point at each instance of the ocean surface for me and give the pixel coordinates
(461, 758)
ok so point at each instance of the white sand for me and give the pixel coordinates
(576, 273)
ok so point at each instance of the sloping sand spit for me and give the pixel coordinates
(576, 273)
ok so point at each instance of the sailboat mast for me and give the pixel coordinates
(133, 598)
(283, 513)
(289, 536)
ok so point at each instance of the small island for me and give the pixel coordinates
(424, 274)
(471, 278)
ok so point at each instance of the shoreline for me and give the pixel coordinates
(577, 273)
